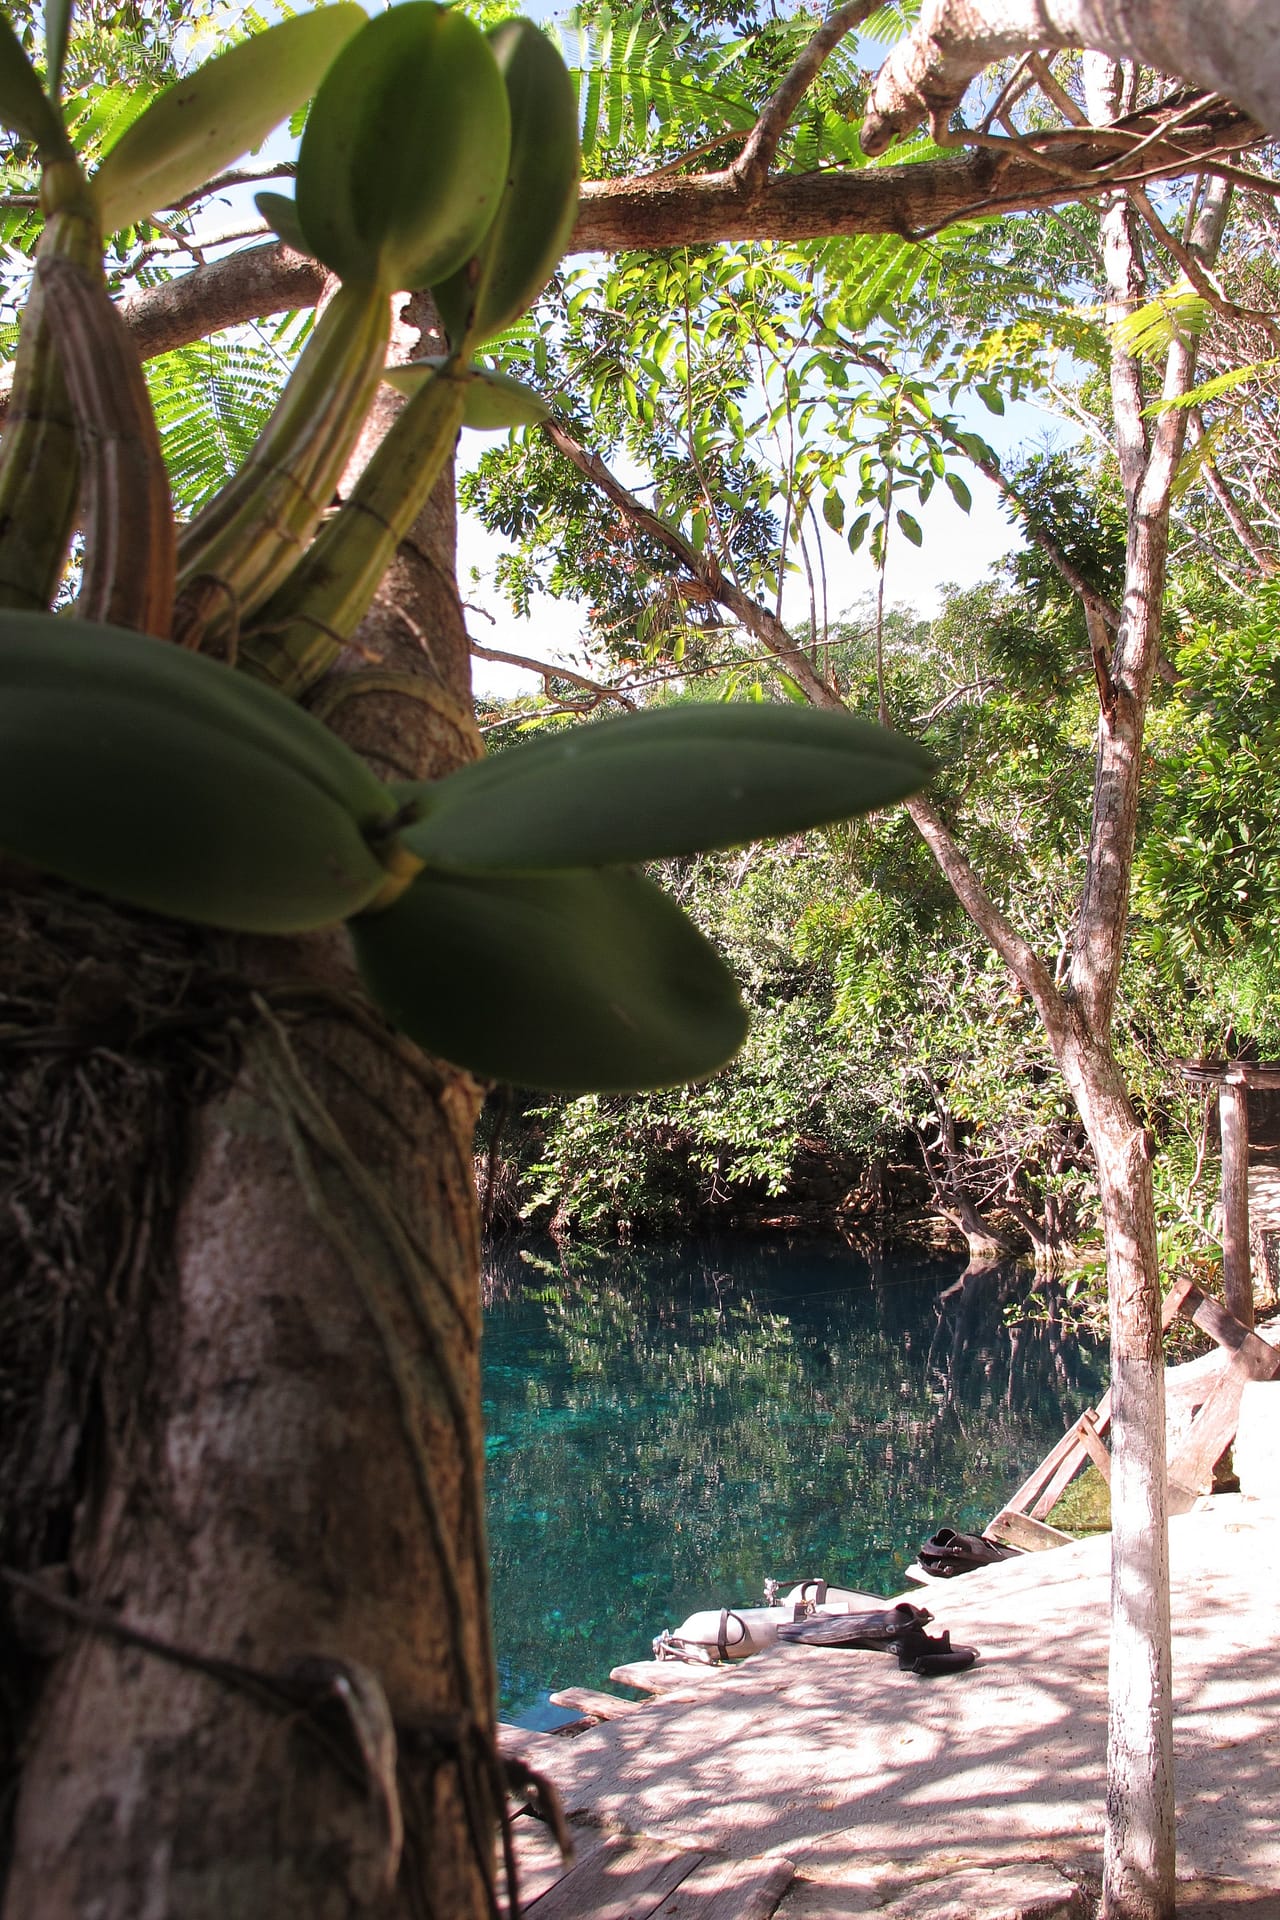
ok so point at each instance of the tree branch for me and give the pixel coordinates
(1264, 560)
(751, 168)
(1018, 955)
(549, 673)
(1202, 282)
(757, 620)
(616, 216)
(227, 293)
(1021, 958)
(658, 211)
(1228, 46)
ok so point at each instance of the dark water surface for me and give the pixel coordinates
(668, 1426)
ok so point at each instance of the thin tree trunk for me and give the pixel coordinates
(1139, 1856)
(1237, 1257)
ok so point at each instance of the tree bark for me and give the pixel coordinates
(1139, 1854)
(278, 1464)
(1225, 46)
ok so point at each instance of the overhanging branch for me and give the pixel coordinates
(617, 216)
(700, 566)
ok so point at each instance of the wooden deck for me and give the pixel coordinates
(628, 1877)
(633, 1876)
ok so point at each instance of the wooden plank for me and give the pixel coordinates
(1175, 1301)
(601, 1706)
(625, 1879)
(1095, 1445)
(1020, 1530)
(1031, 1492)
(518, 1740)
(1211, 1317)
(664, 1676)
(1214, 1427)
(1071, 1466)
(729, 1890)
(538, 1862)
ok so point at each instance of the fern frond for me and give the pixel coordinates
(1213, 389)
(1178, 315)
(211, 402)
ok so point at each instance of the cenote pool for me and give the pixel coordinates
(668, 1426)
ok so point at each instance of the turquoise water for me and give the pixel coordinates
(668, 1426)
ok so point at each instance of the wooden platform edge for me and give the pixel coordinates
(600, 1706)
(639, 1877)
(1014, 1529)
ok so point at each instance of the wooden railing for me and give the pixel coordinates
(1023, 1520)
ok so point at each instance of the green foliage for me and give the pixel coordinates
(1209, 874)
(691, 778)
(568, 980)
(763, 392)
(530, 229)
(163, 779)
(212, 401)
(1085, 1507)
(25, 108)
(880, 1020)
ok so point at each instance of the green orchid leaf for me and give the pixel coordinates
(281, 215)
(577, 982)
(162, 778)
(495, 402)
(57, 31)
(25, 108)
(532, 225)
(659, 784)
(224, 109)
(404, 157)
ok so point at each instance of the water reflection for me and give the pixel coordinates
(669, 1425)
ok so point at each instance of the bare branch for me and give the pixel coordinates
(1264, 560)
(1203, 282)
(912, 201)
(757, 620)
(549, 673)
(1022, 960)
(617, 216)
(226, 293)
(238, 177)
(751, 168)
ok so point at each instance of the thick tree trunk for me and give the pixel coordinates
(1224, 46)
(277, 1458)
